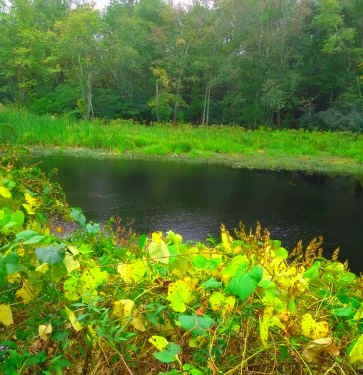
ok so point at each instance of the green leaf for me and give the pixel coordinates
(9, 184)
(192, 370)
(34, 240)
(212, 284)
(356, 354)
(58, 271)
(77, 215)
(346, 278)
(142, 242)
(37, 358)
(243, 286)
(3, 272)
(313, 271)
(238, 266)
(196, 325)
(276, 244)
(18, 217)
(153, 317)
(11, 262)
(281, 253)
(169, 354)
(26, 235)
(172, 372)
(93, 228)
(174, 238)
(200, 262)
(52, 254)
(5, 216)
(342, 311)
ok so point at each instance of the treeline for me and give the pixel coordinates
(284, 63)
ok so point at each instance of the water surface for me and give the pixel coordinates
(194, 200)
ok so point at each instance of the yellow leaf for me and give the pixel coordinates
(26, 292)
(72, 318)
(45, 330)
(14, 278)
(20, 250)
(29, 209)
(229, 303)
(159, 251)
(359, 314)
(5, 192)
(264, 325)
(70, 263)
(32, 201)
(216, 301)
(226, 238)
(6, 316)
(356, 354)
(133, 272)
(137, 323)
(197, 342)
(124, 307)
(43, 268)
(73, 250)
(312, 329)
(157, 237)
(179, 294)
(159, 342)
(219, 302)
(92, 335)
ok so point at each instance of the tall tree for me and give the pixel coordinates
(81, 51)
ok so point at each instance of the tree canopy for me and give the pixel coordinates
(283, 63)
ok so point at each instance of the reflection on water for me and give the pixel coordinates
(194, 200)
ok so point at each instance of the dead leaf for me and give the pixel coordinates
(45, 330)
(319, 346)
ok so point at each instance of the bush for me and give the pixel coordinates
(346, 114)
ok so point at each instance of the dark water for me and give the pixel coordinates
(194, 200)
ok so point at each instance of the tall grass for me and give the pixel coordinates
(20, 128)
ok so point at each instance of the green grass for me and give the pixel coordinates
(340, 152)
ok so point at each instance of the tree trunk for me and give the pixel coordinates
(157, 101)
(90, 113)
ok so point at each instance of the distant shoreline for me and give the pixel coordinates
(307, 164)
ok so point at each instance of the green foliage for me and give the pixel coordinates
(268, 149)
(210, 62)
(159, 305)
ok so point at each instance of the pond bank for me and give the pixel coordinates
(330, 165)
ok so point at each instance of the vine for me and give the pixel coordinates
(89, 303)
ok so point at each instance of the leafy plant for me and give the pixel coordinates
(159, 305)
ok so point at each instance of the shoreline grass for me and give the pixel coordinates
(322, 152)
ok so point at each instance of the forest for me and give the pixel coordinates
(280, 63)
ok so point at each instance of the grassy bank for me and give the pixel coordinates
(231, 145)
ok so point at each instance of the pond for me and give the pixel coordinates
(193, 200)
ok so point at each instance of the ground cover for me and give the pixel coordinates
(108, 301)
(263, 148)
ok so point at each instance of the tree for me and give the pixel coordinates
(80, 51)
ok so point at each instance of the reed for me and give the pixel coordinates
(20, 128)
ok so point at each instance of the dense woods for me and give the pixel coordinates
(283, 63)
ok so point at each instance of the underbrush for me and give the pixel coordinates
(102, 300)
